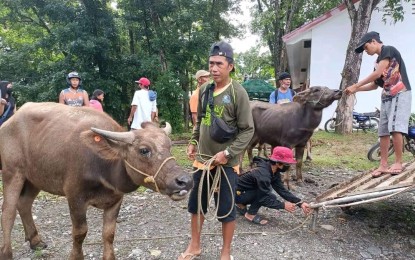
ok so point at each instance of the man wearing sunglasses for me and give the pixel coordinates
(255, 187)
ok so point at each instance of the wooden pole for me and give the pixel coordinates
(340, 201)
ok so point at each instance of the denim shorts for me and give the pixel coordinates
(226, 190)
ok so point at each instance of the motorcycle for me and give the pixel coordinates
(364, 121)
(409, 144)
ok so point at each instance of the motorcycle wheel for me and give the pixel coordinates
(372, 125)
(374, 152)
(330, 125)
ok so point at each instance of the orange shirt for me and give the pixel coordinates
(194, 100)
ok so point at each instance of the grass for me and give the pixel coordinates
(329, 150)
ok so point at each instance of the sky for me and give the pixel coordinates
(250, 40)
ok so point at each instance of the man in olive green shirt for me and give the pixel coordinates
(231, 103)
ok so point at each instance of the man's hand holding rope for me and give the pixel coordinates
(290, 207)
(220, 158)
(351, 89)
(191, 152)
(306, 208)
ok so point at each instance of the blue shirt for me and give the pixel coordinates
(282, 97)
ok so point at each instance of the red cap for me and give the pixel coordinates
(143, 81)
(283, 155)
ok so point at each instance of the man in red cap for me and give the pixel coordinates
(255, 187)
(144, 105)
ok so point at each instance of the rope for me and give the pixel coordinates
(211, 188)
(262, 233)
(318, 100)
(369, 200)
(150, 178)
(343, 101)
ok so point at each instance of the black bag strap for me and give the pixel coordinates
(208, 91)
(276, 94)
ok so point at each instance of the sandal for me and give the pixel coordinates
(188, 256)
(241, 211)
(257, 220)
(377, 173)
(395, 171)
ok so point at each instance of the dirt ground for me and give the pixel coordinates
(151, 226)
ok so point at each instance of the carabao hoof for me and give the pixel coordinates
(38, 246)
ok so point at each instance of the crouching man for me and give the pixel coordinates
(254, 188)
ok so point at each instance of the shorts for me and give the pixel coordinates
(395, 113)
(226, 190)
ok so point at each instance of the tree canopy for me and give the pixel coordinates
(111, 44)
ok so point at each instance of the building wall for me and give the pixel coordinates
(329, 43)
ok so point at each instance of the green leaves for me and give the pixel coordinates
(166, 41)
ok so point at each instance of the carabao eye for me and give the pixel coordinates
(145, 152)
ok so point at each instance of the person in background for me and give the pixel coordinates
(202, 76)
(74, 95)
(143, 106)
(284, 93)
(389, 74)
(256, 186)
(96, 100)
(7, 102)
(230, 102)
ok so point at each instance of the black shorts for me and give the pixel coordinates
(226, 190)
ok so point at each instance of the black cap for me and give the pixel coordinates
(365, 39)
(284, 75)
(221, 49)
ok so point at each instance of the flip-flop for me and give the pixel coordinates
(241, 211)
(377, 173)
(188, 256)
(395, 171)
(257, 220)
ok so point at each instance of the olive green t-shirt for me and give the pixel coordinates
(231, 103)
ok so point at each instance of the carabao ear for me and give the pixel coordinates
(106, 144)
(167, 129)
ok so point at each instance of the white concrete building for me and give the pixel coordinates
(317, 51)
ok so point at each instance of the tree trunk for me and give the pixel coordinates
(131, 41)
(291, 11)
(186, 107)
(277, 41)
(360, 20)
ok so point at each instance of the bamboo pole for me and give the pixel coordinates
(357, 197)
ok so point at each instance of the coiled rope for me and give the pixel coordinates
(211, 188)
(215, 187)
